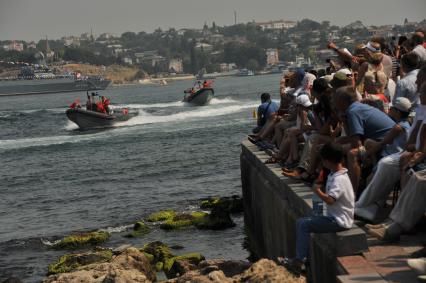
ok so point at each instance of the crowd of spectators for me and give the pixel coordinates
(369, 108)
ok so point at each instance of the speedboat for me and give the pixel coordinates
(87, 119)
(200, 97)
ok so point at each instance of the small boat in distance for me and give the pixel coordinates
(97, 114)
(201, 95)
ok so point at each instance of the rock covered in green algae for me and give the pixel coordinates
(193, 258)
(158, 250)
(163, 258)
(218, 219)
(233, 204)
(130, 265)
(139, 229)
(70, 262)
(83, 239)
(183, 220)
(162, 215)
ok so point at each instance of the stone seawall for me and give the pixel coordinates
(272, 204)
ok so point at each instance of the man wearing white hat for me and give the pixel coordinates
(374, 196)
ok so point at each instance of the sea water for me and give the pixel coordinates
(56, 180)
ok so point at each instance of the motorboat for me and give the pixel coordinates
(88, 119)
(199, 97)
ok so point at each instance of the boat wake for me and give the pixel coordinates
(214, 101)
(144, 117)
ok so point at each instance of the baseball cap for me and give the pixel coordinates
(402, 104)
(303, 100)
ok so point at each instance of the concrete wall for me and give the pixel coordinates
(272, 204)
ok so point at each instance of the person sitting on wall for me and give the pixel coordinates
(340, 200)
(266, 109)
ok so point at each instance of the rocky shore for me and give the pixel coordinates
(135, 265)
(87, 259)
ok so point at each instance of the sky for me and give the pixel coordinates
(35, 19)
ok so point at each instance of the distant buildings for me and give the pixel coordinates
(204, 47)
(280, 24)
(14, 46)
(226, 67)
(149, 57)
(32, 45)
(176, 65)
(71, 41)
(272, 57)
(128, 61)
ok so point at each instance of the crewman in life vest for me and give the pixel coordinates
(105, 103)
(100, 107)
(75, 104)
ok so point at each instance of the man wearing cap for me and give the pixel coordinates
(410, 207)
(362, 122)
(394, 143)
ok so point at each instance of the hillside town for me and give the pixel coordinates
(240, 49)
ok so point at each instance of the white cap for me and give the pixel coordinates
(303, 100)
(402, 104)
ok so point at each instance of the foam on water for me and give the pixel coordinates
(147, 118)
(214, 101)
(43, 141)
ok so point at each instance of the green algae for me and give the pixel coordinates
(139, 229)
(81, 240)
(70, 262)
(193, 258)
(161, 216)
(183, 220)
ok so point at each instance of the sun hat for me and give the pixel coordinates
(343, 74)
(303, 100)
(373, 47)
(402, 104)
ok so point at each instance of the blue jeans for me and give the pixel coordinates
(313, 224)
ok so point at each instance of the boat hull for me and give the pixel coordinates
(201, 97)
(86, 119)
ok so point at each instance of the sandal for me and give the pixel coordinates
(292, 174)
(252, 140)
(272, 160)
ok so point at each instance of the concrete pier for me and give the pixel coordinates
(272, 204)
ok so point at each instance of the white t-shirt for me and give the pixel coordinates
(420, 51)
(340, 188)
(420, 116)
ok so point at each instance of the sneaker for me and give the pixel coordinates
(384, 224)
(383, 234)
(418, 265)
(368, 212)
(375, 226)
(422, 278)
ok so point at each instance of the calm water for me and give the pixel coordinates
(55, 180)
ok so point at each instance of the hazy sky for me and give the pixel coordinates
(33, 19)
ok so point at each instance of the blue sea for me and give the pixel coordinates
(56, 180)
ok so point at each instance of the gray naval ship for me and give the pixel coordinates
(36, 81)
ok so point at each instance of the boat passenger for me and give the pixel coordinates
(100, 107)
(89, 103)
(105, 103)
